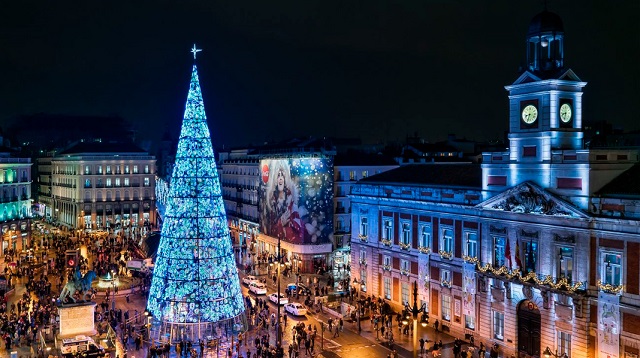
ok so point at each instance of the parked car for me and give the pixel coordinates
(248, 279)
(274, 298)
(258, 288)
(295, 308)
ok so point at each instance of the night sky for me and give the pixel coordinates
(270, 70)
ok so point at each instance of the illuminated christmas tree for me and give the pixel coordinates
(195, 280)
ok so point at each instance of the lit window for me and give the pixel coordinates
(612, 269)
(108, 182)
(406, 233)
(530, 256)
(445, 277)
(108, 169)
(363, 279)
(564, 343)
(126, 169)
(470, 322)
(146, 169)
(87, 183)
(126, 181)
(87, 170)
(387, 288)
(472, 244)
(364, 226)
(425, 236)
(352, 175)
(498, 325)
(404, 265)
(446, 308)
(498, 251)
(147, 181)
(365, 173)
(117, 181)
(135, 169)
(99, 169)
(387, 260)
(405, 292)
(117, 169)
(565, 263)
(387, 232)
(446, 242)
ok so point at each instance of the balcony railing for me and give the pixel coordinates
(386, 267)
(424, 250)
(404, 246)
(386, 242)
(609, 288)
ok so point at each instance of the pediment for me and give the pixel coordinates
(526, 77)
(529, 198)
(569, 75)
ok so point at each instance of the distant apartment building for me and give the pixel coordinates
(15, 202)
(99, 186)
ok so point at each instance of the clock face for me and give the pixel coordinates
(529, 114)
(565, 113)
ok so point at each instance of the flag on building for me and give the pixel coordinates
(507, 253)
(518, 261)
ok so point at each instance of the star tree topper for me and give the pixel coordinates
(195, 50)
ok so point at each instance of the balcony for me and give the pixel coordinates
(447, 255)
(424, 250)
(386, 267)
(386, 242)
(363, 238)
(405, 247)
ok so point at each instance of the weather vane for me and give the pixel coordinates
(195, 50)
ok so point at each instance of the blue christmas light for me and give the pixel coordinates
(195, 279)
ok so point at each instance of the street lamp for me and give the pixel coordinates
(547, 353)
(414, 311)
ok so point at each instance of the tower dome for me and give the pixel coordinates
(545, 41)
(545, 22)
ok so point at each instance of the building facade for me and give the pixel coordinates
(15, 203)
(99, 186)
(244, 188)
(534, 248)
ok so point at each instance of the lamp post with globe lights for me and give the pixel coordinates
(413, 311)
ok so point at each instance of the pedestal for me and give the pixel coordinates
(76, 319)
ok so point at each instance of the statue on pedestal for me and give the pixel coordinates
(80, 283)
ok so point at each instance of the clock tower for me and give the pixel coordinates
(545, 102)
(545, 117)
(545, 127)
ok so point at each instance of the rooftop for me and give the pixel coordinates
(102, 148)
(625, 184)
(458, 175)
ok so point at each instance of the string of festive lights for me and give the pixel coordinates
(515, 274)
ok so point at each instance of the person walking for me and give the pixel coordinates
(437, 324)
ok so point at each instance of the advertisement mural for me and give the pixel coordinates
(296, 199)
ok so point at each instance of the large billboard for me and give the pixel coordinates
(296, 199)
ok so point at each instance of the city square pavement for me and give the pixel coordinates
(350, 343)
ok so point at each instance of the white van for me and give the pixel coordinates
(83, 346)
